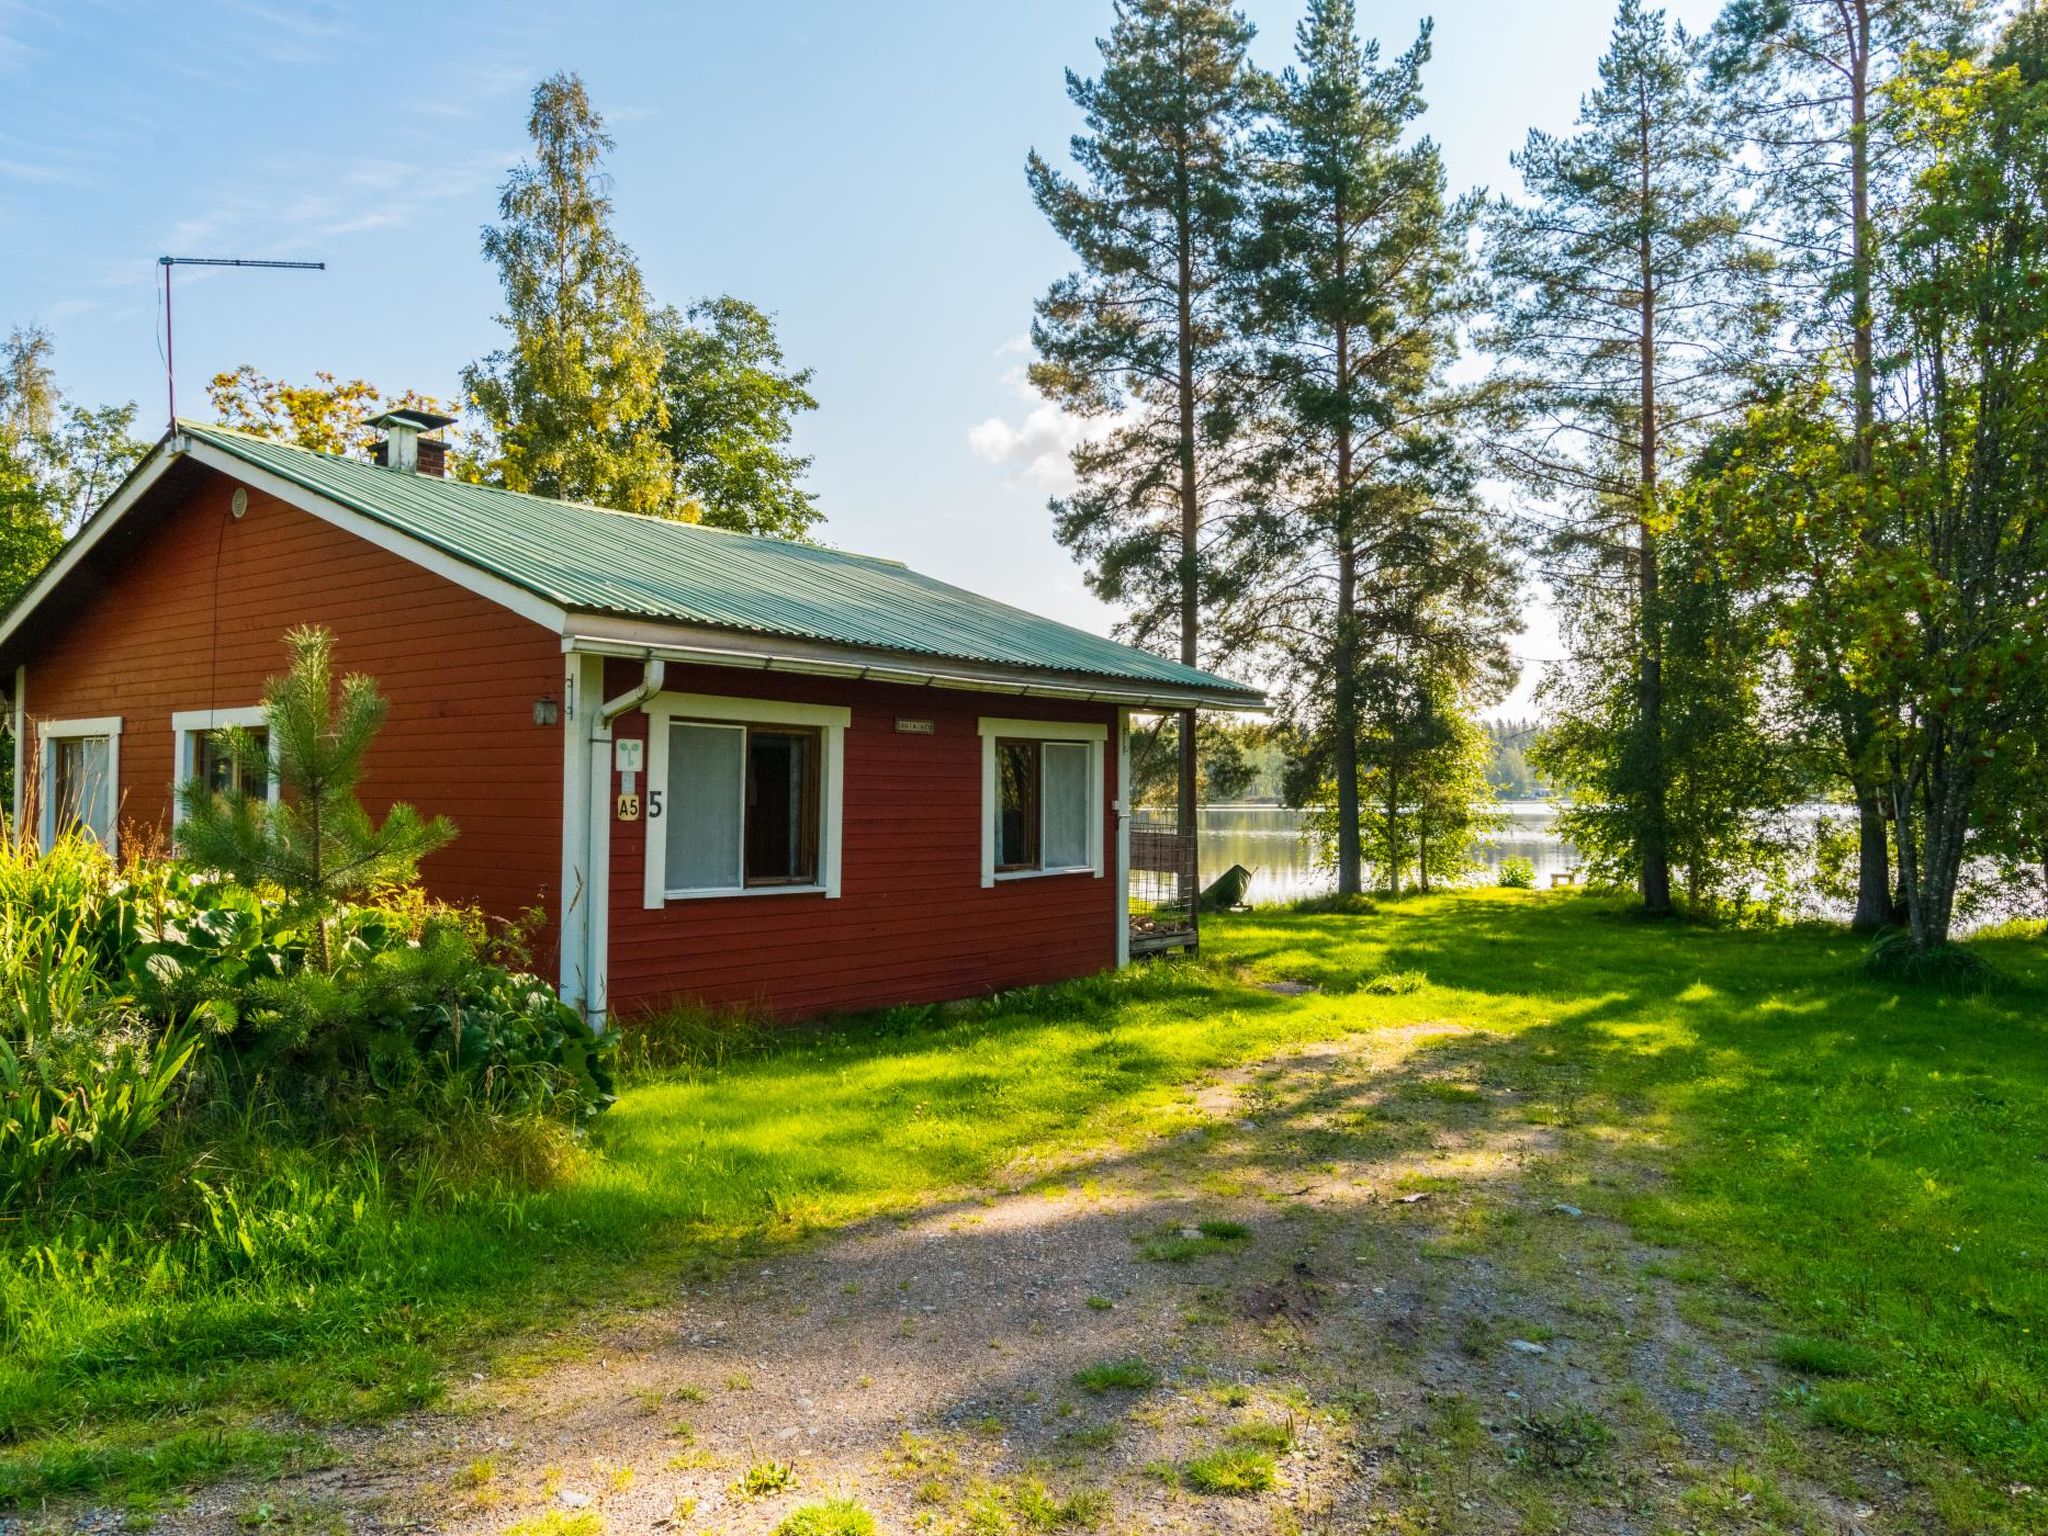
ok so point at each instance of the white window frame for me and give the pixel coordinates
(189, 725)
(1094, 737)
(48, 734)
(829, 720)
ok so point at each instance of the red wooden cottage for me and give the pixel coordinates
(730, 769)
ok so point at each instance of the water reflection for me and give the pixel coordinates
(1269, 841)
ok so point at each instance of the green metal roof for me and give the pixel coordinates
(592, 560)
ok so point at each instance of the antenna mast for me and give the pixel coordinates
(168, 262)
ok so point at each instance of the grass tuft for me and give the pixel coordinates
(834, 1517)
(1823, 1357)
(764, 1477)
(1233, 1471)
(1126, 1375)
(1954, 968)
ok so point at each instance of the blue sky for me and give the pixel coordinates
(858, 170)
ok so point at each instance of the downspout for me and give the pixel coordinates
(598, 833)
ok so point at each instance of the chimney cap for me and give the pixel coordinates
(406, 416)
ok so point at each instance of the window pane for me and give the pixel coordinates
(1066, 805)
(782, 787)
(83, 789)
(1017, 819)
(257, 785)
(703, 811)
(217, 770)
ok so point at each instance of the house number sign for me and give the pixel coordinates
(629, 757)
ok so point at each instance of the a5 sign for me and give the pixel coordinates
(629, 756)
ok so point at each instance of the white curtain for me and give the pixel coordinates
(1066, 793)
(706, 768)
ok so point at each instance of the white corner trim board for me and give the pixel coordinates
(829, 720)
(994, 728)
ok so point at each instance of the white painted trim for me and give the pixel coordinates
(20, 749)
(576, 898)
(48, 734)
(701, 646)
(1044, 730)
(188, 725)
(404, 545)
(95, 725)
(132, 490)
(1094, 736)
(1123, 838)
(829, 720)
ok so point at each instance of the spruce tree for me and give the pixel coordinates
(316, 844)
(1624, 308)
(572, 406)
(1142, 336)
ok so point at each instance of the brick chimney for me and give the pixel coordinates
(404, 449)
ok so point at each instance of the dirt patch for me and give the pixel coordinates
(1251, 1328)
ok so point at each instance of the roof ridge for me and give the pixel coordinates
(650, 518)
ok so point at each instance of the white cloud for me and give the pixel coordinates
(1036, 448)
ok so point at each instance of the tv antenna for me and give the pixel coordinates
(168, 262)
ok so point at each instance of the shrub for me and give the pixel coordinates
(411, 1003)
(83, 1074)
(1561, 1440)
(1516, 873)
(1894, 957)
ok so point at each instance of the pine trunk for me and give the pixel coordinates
(1344, 657)
(1874, 897)
(1656, 854)
(1190, 535)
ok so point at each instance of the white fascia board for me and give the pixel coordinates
(404, 545)
(766, 653)
(132, 490)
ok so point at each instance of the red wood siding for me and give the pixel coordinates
(193, 617)
(913, 922)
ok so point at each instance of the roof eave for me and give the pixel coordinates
(597, 634)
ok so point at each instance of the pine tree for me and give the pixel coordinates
(1804, 79)
(731, 402)
(1625, 306)
(1142, 336)
(317, 844)
(572, 407)
(1359, 287)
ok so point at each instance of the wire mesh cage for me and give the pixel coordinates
(1163, 881)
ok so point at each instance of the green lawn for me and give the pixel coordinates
(1867, 1163)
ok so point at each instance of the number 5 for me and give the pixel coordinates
(653, 805)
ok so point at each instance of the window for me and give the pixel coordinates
(221, 773)
(743, 797)
(1042, 784)
(81, 779)
(202, 752)
(742, 806)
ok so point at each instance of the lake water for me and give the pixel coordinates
(1268, 840)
